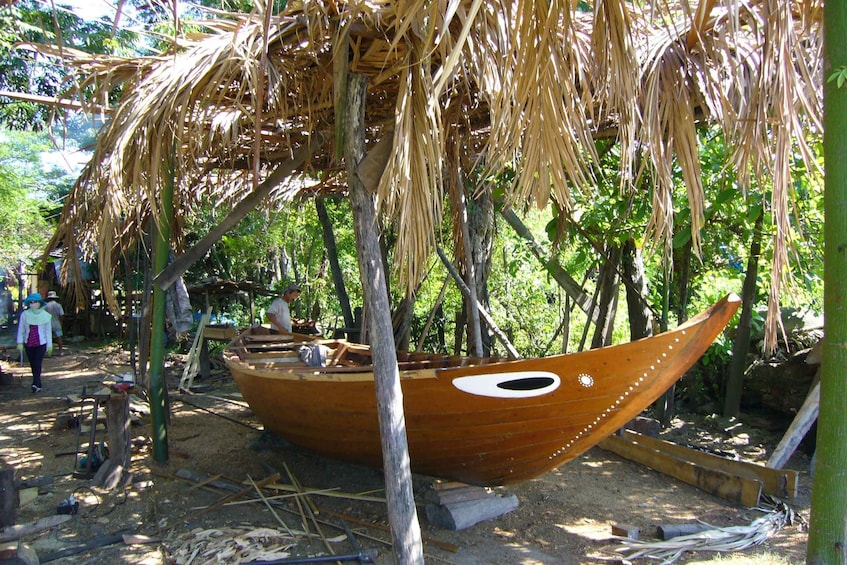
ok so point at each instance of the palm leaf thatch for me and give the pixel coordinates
(522, 84)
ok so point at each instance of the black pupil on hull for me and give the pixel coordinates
(533, 383)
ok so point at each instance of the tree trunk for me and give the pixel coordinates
(640, 316)
(481, 231)
(682, 265)
(402, 514)
(474, 327)
(665, 405)
(402, 322)
(513, 353)
(435, 312)
(828, 523)
(607, 281)
(334, 266)
(741, 345)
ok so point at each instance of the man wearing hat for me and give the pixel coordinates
(55, 309)
(34, 336)
(279, 314)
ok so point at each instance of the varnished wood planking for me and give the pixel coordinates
(473, 438)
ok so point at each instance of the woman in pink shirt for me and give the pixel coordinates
(35, 335)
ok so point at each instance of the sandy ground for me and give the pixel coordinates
(564, 516)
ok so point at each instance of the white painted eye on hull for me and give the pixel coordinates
(518, 384)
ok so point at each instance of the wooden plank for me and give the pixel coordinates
(8, 550)
(222, 333)
(625, 531)
(12, 533)
(739, 490)
(776, 482)
(798, 429)
(460, 494)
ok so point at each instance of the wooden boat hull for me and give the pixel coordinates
(487, 424)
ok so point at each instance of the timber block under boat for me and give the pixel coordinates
(459, 506)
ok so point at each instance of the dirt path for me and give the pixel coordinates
(564, 516)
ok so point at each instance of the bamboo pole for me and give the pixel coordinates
(158, 402)
(828, 523)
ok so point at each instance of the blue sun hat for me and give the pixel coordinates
(34, 297)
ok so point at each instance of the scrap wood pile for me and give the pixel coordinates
(720, 539)
(252, 544)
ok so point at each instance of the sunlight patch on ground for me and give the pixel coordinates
(588, 529)
(20, 457)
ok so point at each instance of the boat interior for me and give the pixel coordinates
(338, 355)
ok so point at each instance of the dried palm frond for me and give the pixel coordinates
(727, 539)
(540, 116)
(528, 85)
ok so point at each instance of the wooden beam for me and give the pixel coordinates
(172, 272)
(571, 287)
(775, 482)
(738, 490)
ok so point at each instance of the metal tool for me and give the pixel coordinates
(355, 542)
(367, 556)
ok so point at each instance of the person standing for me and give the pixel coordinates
(279, 314)
(58, 313)
(35, 335)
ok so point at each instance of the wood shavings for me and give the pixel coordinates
(231, 545)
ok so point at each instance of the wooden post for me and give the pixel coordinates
(117, 429)
(402, 513)
(205, 361)
(7, 498)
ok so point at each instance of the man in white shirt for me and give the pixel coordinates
(279, 314)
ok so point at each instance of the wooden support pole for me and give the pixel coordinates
(170, 273)
(804, 419)
(158, 399)
(402, 513)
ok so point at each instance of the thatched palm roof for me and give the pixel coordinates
(527, 83)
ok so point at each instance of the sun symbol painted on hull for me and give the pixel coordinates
(586, 380)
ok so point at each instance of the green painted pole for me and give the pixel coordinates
(158, 407)
(828, 522)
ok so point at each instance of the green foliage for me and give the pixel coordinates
(838, 76)
(21, 70)
(23, 229)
